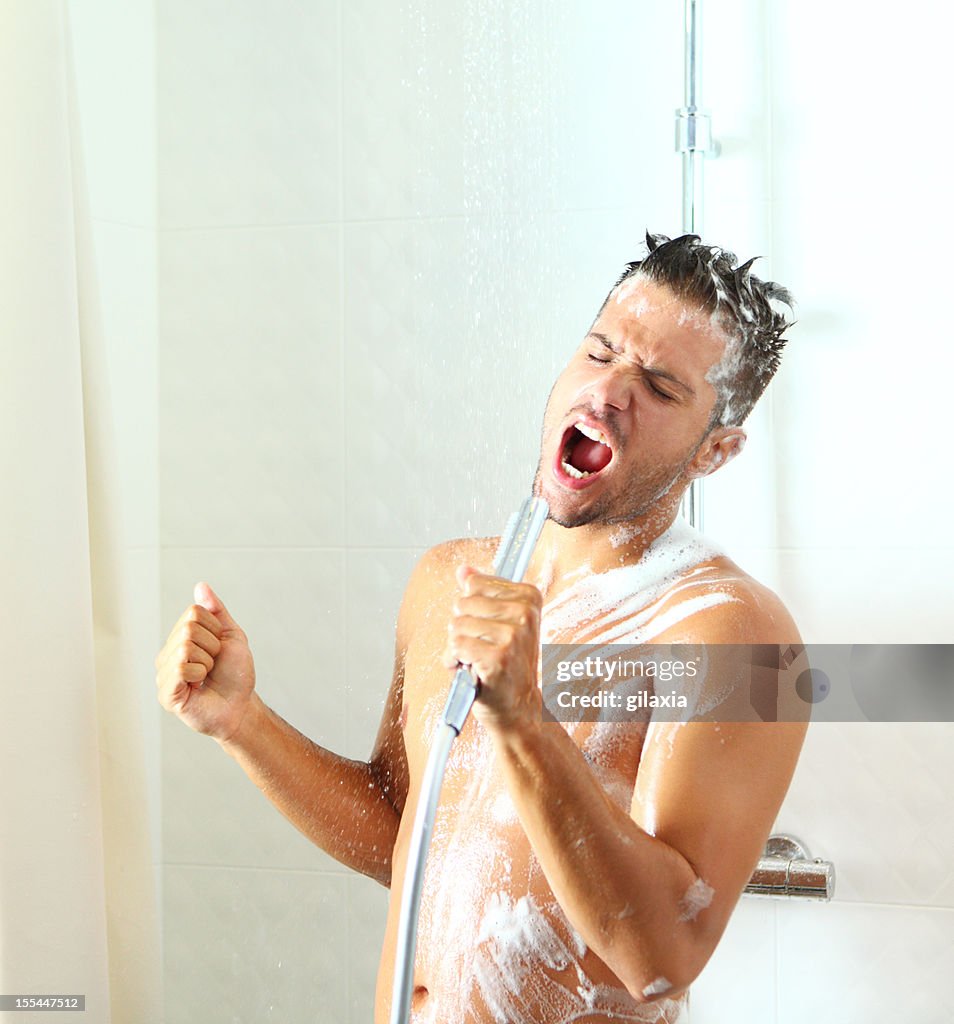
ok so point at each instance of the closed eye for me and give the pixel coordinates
(664, 395)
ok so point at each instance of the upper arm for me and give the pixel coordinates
(711, 790)
(388, 758)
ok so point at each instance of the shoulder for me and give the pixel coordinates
(432, 581)
(739, 620)
(721, 603)
(438, 564)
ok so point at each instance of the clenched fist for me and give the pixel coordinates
(205, 673)
(496, 632)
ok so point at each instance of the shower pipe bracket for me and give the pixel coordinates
(788, 847)
(788, 869)
(694, 133)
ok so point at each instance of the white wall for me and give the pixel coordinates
(381, 229)
(828, 170)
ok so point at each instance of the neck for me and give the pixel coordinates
(564, 554)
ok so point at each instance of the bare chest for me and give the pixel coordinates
(493, 943)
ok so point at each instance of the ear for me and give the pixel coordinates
(721, 446)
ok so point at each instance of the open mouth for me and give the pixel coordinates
(585, 452)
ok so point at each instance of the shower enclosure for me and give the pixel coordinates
(304, 223)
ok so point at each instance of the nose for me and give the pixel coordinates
(611, 386)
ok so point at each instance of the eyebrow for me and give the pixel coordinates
(655, 371)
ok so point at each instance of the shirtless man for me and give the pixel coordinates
(578, 872)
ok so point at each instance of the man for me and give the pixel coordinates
(580, 872)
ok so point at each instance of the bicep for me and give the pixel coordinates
(712, 789)
(712, 792)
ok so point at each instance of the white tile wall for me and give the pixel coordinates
(251, 400)
(856, 964)
(289, 603)
(733, 92)
(248, 112)
(740, 983)
(886, 810)
(114, 43)
(401, 77)
(384, 227)
(843, 595)
(367, 909)
(249, 945)
(423, 362)
(861, 554)
(376, 578)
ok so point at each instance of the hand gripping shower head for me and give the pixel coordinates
(510, 563)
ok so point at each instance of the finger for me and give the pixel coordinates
(492, 630)
(462, 574)
(200, 636)
(176, 684)
(471, 580)
(479, 584)
(207, 598)
(195, 655)
(480, 656)
(520, 613)
(189, 672)
(196, 613)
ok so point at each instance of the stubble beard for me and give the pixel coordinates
(639, 499)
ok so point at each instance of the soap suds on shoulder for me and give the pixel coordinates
(613, 598)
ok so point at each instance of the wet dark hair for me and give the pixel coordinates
(708, 277)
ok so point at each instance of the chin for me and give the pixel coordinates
(567, 511)
(570, 519)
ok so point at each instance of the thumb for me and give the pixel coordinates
(207, 597)
(464, 572)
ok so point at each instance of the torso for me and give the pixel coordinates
(493, 945)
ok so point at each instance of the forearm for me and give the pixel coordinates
(334, 801)
(621, 888)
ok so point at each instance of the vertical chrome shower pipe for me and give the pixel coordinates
(693, 131)
(694, 142)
